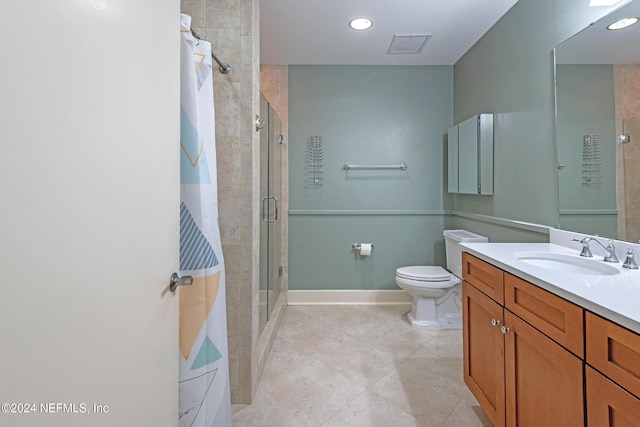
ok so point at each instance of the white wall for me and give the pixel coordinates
(89, 123)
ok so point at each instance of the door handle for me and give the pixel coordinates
(175, 281)
(276, 200)
(264, 210)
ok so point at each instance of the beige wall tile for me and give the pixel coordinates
(220, 22)
(228, 97)
(197, 9)
(232, 27)
(223, 13)
(627, 87)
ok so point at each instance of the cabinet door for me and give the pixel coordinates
(544, 381)
(608, 404)
(468, 179)
(483, 348)
(452, 160)
(475, 155)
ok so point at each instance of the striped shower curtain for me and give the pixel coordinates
(204, 366)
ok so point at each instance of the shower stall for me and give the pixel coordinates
(271, 215)
(629, 181)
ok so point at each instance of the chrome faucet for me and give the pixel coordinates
(609, 251)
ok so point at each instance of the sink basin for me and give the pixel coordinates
(565, 263)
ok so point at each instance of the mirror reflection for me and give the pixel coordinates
(597, 108)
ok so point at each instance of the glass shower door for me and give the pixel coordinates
(270, 222)
(631, 179)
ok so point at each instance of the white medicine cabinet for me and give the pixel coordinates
(470, 156)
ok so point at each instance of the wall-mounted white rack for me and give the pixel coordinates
(314, 158)
(401, 166)
(591, 161)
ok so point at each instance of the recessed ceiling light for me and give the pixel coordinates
(360, 23)
(623, 23)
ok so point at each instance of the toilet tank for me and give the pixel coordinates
(452, 240)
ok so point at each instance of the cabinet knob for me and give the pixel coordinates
(504, 329)
(495, 322)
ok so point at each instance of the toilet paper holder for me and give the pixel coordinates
(356, 246)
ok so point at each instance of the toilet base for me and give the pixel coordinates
(428, 313)
(449, 321)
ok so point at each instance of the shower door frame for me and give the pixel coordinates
(270, 215)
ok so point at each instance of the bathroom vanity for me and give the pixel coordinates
(548, 347)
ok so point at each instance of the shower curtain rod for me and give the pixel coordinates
(223, 67)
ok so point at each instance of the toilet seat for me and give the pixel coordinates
(426, 277)
(424, 273)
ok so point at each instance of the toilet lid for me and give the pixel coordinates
(426, 273)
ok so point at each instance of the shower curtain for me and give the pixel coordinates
(204, 398)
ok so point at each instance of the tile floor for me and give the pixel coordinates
(360, 366)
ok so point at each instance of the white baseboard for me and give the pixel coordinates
(348, 297)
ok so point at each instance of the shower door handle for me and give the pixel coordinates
(265, 209)
(275, 199)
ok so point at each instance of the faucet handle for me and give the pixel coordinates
(630, 262)
(611, 257)
(586, 252)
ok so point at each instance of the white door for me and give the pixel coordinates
(89, 197)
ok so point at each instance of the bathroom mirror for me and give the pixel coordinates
(597, 91)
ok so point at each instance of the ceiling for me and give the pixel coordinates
(597, 45)
(317, 31)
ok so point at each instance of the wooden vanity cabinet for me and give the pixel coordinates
(613, 377)
(518, 374)
(524, 355)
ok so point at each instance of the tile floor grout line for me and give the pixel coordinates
(386, 333)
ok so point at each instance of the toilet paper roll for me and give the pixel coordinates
(365, 249)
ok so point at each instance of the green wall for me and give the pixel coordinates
(509, 72)
(586, 106)
(376, 114)
(367, 115)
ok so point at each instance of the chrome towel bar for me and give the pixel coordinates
(401, 166)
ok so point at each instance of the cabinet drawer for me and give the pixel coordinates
(614, 351)
(483, 276)
(555, 317)
(608, 404)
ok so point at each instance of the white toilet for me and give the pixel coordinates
(437, 299)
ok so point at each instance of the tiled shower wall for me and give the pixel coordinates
(232, 27)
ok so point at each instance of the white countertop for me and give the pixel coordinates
(615, 297)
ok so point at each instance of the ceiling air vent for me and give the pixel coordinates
(408, 43)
